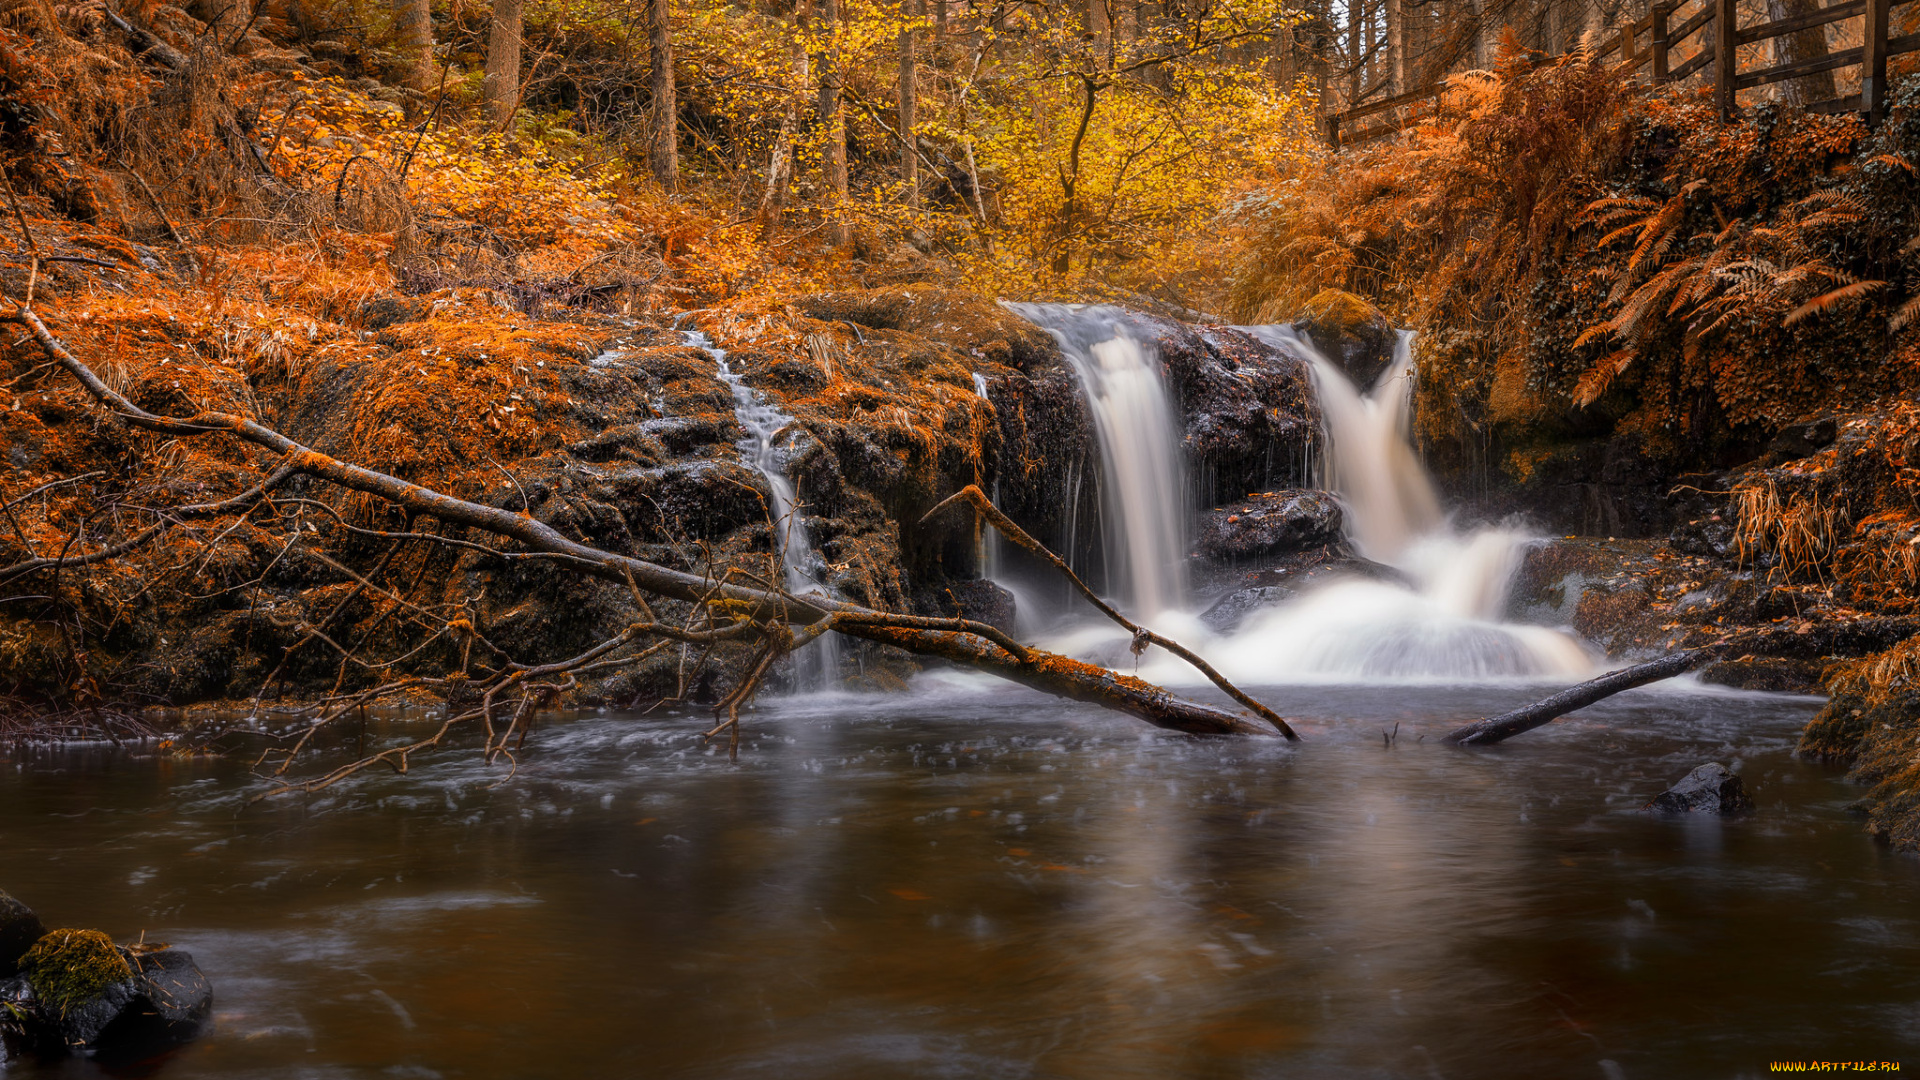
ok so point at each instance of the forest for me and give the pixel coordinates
(985, 539)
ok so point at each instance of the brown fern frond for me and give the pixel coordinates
(1829, 299)
(1906, 314)
(1595, 382)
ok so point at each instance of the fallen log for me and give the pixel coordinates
(1508, 724)
(973, 645)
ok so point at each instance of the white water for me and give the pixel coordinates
(816, 666)
(1443, 621)
(1143, 491)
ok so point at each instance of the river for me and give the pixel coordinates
(976, 881)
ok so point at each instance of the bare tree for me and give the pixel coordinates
(833, 113)
(909, 142)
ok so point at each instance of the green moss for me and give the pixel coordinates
(68, 968)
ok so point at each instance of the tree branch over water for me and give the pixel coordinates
(502, 695)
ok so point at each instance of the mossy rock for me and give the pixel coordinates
(19, 929)
(1351, 332)
(68, 969)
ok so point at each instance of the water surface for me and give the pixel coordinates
(977, 881)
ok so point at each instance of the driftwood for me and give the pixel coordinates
(735, 611)
(1142, 637)
(1508, 724)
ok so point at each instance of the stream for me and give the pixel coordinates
(972, 880)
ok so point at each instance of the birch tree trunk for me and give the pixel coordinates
(780, 168)
(502, 85)
(665, 152)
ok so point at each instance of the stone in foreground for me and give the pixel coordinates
(78, 992)
(1712, 788)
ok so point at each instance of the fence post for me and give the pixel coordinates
(1658, 46)
(1873, 62)
(1333, 130)
(1725, 58)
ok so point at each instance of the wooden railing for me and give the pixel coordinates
(1721, 36)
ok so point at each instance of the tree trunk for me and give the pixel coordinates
(1098, 29)
(1396, 47)
(1809, 44)
(833, 113)
(780, 167)
(909, 142)
(502, 86)
(1356, 76)
(413, 36)
(665, 155)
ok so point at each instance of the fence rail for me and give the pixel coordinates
(1721, 36)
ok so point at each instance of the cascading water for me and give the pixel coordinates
(816, 666)
(1143, 492)
(1445, 620)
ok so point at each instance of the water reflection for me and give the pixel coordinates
(985, 883)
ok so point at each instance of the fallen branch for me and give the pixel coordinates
(1508, 724)
(764, 608)
(1142, 637)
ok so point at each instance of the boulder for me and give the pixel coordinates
(1712, 788)
(80, 993)
(982, 601)
(1350, 332)
(19, 929)
(1270, 523)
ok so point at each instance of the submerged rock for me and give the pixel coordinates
(982, 601)
(19, 929)
(78, 992)
(1712, 788)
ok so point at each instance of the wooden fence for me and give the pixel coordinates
(1720, 36)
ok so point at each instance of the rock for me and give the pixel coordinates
(80, 983)
(1712, 788)
(1350, 332)
(982, 601)
(1231, 610)
(1270, 523)
(78, 992)
(19, 929)
(1800, 440)
(1777, 674)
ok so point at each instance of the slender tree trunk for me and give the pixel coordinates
(413, 35)
(1356, 73)
(502, 86)
(909, 142)
(1396, 47)
(1098, 29)
(833, 112)
(1810, 44)
(665, 153)
(780, 168)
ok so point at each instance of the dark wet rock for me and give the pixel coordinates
(1799, 440)
(1712, 788)
(1284, 578)
(1270, 523)
(19, 929)
(1231, 610)
(1786, 675)
(982, 601)
(1351, 332)
(80, 993)
(1711, 534)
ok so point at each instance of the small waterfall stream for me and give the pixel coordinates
(1143, 492)
(816, 666)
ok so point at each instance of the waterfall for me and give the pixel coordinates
(1445, 619)
(1143, 492)
(816, 666)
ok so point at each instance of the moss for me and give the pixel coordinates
(68, 968)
